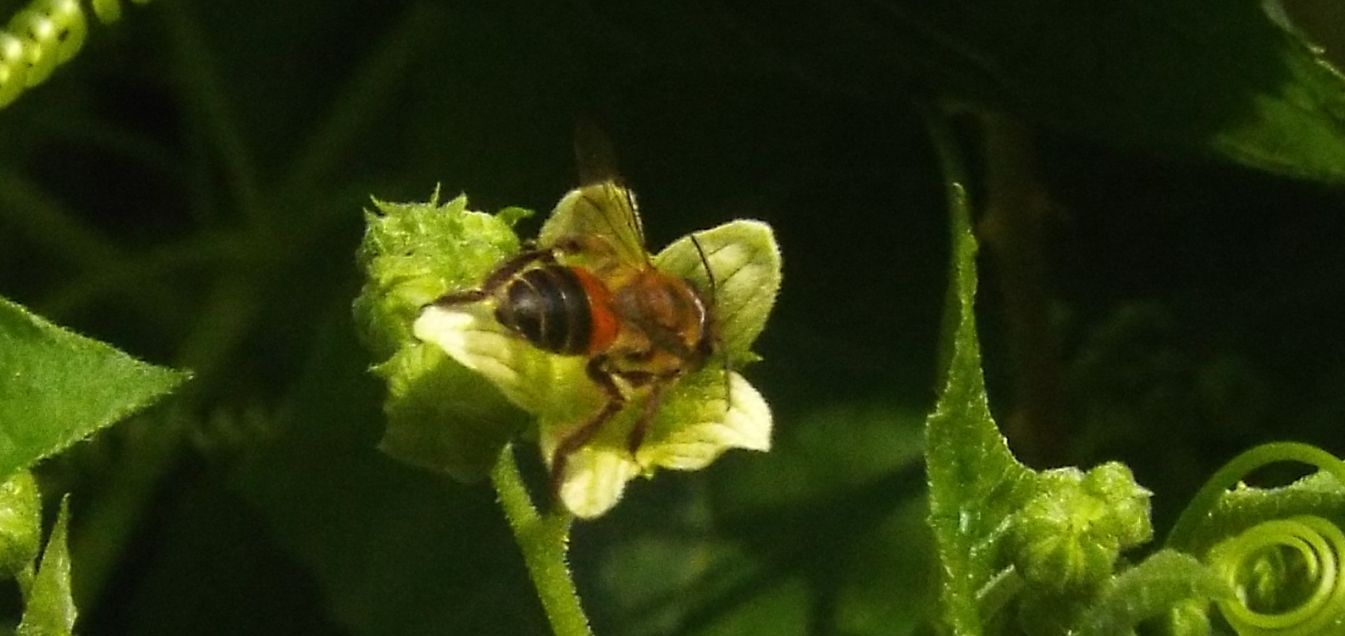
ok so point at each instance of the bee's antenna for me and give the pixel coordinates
(714, 327)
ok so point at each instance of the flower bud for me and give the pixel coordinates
(1073, 528)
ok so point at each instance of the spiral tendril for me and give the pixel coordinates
(1285, 572)
(1286, 575)
(42, 36)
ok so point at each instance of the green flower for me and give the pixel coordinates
(457, 411)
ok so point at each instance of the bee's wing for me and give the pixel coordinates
(604, 210)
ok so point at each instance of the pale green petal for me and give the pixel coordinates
(594, 479)
(551, 386)
(695, 442)
(746, 263)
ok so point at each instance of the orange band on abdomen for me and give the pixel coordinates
(605, 324)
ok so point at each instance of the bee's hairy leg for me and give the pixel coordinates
(597, 371)
(651, 405)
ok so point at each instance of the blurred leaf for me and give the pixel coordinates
(778, 608)
(1207, 78)
(834, 509)
(394, 549)
(1204, 77)
(60, 387)
(50, 607)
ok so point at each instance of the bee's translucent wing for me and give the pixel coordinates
(599, 219)
(604, 211)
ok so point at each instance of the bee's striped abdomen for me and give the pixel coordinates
(549, 307)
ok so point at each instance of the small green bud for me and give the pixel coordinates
(1074, 527)
(413, 253)
(20, 522)
(440, 415)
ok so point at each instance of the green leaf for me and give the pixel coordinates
(975, 483)
(50, 608)
(59, 387)
(20, 522)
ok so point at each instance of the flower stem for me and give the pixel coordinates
(543, 540)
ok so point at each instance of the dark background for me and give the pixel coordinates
(189, 188)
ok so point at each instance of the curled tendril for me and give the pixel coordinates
(1286, 572)
(42, 36)
(1286, 575)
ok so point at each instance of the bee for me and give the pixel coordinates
(589, 287)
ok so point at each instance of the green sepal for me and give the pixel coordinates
(50, 606)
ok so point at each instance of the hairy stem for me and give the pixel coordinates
(543, 540)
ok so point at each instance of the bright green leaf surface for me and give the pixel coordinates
(57, 387)
(997, 524)
(50, 610)
(974, 481)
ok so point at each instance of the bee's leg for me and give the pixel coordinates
(497, 278)
(597, 371)
(651, 404)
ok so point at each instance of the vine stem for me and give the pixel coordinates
(543, 540)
